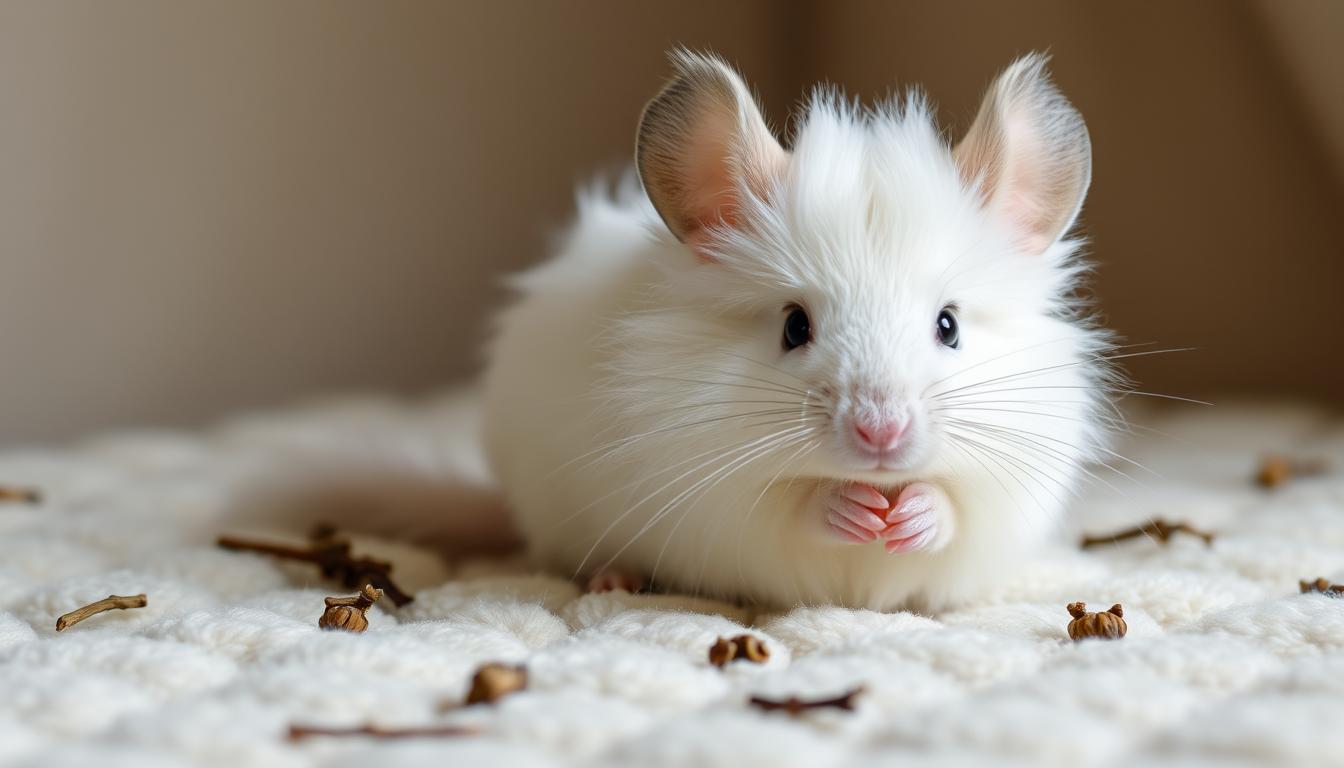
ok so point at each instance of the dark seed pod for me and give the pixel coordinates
(350, 613)
(746, 647)
(1109, 624)
(1323, 586)
(493, 682)
(722, 651)
(752, 649)
(1278, 470)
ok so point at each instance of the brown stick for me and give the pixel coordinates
(20, 495)
(1158, 529)
(795, 706)
(332, 556)
(109, 603)
(363, 601)
(301, 732)
(277, 550)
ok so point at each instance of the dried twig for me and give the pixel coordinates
(109, 603)
(301, 732)
(20, 495)
(332, 556)
(1161, 530)
(1277, 470)
(1321, 585)
(795, 706)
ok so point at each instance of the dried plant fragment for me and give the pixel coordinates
(752, 649)
(1323, 586)
(350, 613)
(493, 682)
(109, 603)
(300, 732)
(1159, 529)
(20, 495)
(1108, 624)
(746, 647)
(722, 651)
(796, 706)
(1277, 470)
(332, 555)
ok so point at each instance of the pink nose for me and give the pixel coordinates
(880, 435)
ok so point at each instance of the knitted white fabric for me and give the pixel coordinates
(1224, 661)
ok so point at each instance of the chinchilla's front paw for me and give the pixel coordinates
(920, 521)
(854, 512)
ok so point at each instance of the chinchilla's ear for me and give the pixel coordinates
(1028, 155)
(702, 145)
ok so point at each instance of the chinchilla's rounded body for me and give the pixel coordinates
(848, 373)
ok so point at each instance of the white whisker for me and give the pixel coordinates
(1088, 360)
(731, 467)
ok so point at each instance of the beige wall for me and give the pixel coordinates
(1216, 217)
(213, 206)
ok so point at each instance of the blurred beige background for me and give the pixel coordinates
(209, 207)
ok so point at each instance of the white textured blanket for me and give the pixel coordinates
(1224, 660)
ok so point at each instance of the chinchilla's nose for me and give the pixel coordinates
(881, 433)
(878, 420)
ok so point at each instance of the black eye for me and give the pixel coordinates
(797, 328)
(948, 335)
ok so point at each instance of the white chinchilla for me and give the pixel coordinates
(851, 372)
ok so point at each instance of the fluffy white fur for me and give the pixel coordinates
(643, 414)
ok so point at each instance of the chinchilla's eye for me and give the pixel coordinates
(948, 335)
(797, 328)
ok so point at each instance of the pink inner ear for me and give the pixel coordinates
(698, 241)
(713, 211)
(712, 195)
(1023, 213)
(698, 158)
(1028, 151)
(722, 206)
(1019, 197)
(1024, 188)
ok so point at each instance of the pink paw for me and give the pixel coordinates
(920, 514)
(854, 512)
(612, 579)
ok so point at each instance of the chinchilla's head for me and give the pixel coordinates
(870, 303)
